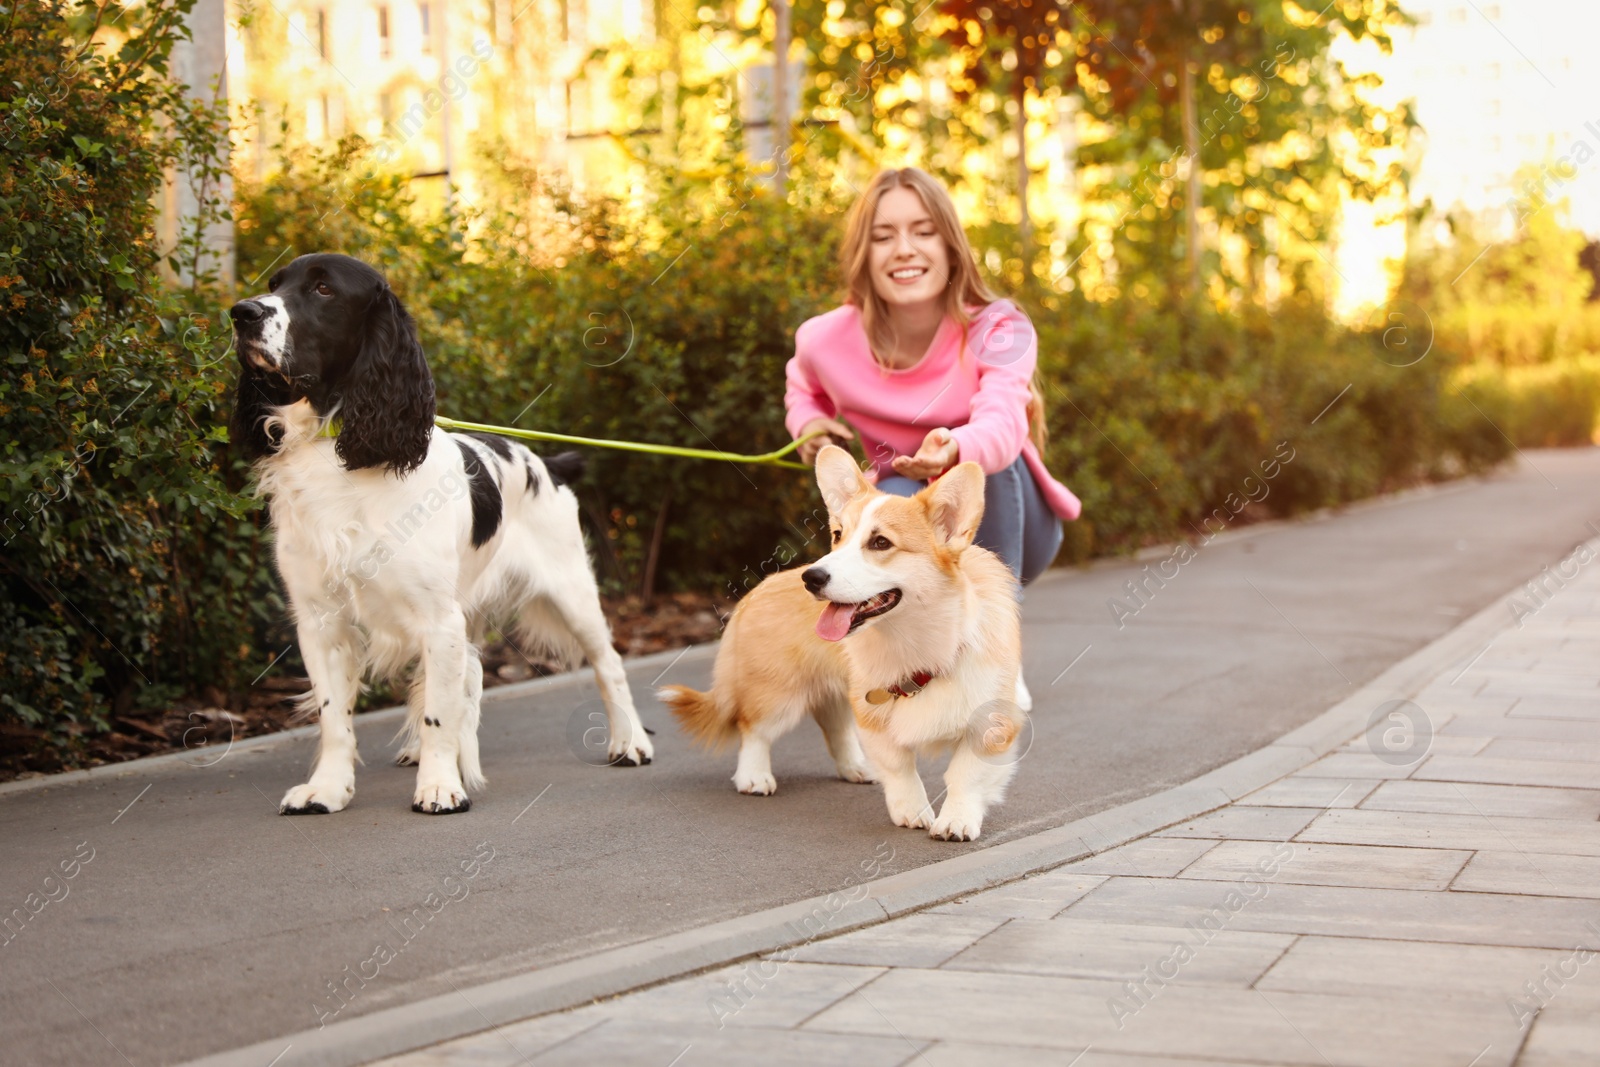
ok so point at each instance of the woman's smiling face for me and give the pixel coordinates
(908, 260)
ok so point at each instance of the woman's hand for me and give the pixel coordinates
(938, 454)
(837, 434)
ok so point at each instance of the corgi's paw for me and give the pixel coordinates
(908, 813)
(956, 826)
(756, 785)
(859, 773)
(318, 797)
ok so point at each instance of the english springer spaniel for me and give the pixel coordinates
(399, 542)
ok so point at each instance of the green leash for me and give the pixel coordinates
(771, 459)
(774, 458)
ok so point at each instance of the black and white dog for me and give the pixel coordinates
(398, 542)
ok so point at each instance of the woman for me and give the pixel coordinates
(932, 369)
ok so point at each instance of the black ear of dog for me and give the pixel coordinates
(387, 409)
(257, 394)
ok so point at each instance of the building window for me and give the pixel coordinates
(383, 30)
(386, 108)
(1494, 72)
(1458, 14)
(425, 16)
(322, 33)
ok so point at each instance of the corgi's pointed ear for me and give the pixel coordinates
(839, 478)
(955, 504)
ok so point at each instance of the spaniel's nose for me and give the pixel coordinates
(247, 311)
(815, 578)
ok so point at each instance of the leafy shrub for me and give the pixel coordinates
(121, 577)
(1543, 406)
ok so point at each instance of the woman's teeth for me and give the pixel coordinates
(907, 273)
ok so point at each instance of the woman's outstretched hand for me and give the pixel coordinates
(838, 433)
(938, 454)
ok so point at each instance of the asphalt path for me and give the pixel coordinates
(203, 921)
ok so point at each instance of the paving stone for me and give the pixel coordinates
(1405, 969)
(1038, 897)
(918, 940)
(764, 992)
(1152, 857)
(1549, 707)
(1337, 911)
(1301, 792)
(1438, 745)
(1124, 952)
(1356, 765)
(1458, 700)
(1377, 867)
(623, 1044)
(1358, 826)
(1571, 775)
(1198, 1021)
(1476, 798)
(1533, 873)
(971, 1054)
(1562, 1036)
(1565, 750)
(1254, 824)
(1534, 729)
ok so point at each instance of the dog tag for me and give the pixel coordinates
(878, 696)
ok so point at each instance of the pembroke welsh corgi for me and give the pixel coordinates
(918, 635)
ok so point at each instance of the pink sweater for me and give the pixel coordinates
(980, 394)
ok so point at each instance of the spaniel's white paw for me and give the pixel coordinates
(440, 800)
(634, 751)
(318, 798)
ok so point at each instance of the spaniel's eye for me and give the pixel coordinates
(323, 290)
(879, 543)
(838, 535)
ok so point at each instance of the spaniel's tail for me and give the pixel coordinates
(701, 715)
(565, 467)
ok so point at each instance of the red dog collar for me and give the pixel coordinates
(907, 687)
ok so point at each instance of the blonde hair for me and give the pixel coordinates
(965, 287)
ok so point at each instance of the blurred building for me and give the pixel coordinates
(427, 82)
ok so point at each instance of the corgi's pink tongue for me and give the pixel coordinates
(835, 621)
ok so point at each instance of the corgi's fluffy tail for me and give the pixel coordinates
(700, 714)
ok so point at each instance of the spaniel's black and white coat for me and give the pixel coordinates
(398, 542)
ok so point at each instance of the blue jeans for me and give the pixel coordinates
(1018, 526)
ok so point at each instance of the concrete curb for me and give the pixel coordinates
(204, 757)
(631, 967)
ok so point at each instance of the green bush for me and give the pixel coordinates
(672, 322)
(124, 566)
(1545, 406)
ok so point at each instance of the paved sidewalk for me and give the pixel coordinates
(1427, 894)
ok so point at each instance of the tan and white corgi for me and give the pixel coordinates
(919, 627)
